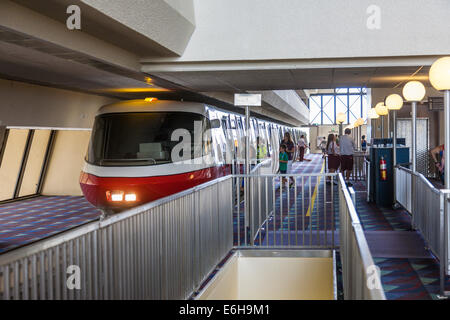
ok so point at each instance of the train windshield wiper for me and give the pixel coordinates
(128, 161)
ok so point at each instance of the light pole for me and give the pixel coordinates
(414, 91)
(340, 118)
(360, 123)
(373, 115)
(440, 79)
(394, 102)
(381, 110)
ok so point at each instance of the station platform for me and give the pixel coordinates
(409, 271)
(26, 221)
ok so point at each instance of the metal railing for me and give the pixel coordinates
(303, 217)
(403, 187)
(361, 277)
(306, 217)
(359, 172)
(368, 181)
(166, 249)
(429, 207)
(162, 250)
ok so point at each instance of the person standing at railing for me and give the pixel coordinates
(261, 150)
(332, 150)
(290, 149)
(363, 144)
(323, 147)
(301, 148)
(347, 147)
(284, 159)
(440, 164)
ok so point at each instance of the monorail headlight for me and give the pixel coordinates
(120, 196)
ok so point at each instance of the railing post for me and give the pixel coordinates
(442, 254)
(394, 152)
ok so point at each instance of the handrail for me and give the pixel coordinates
(354, 272)
(58, 239)
(118, 251)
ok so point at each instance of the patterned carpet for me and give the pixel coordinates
(402, 277)
(27, 221)
(294, 220)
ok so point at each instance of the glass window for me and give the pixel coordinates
(328, 109)
(324, 107)
(141, 138)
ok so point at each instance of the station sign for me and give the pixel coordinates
(247, 100)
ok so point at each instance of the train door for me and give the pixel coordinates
(275, 141)
(241, 140)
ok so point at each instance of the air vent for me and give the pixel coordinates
(436, 103)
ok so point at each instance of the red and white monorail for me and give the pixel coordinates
(129, 160)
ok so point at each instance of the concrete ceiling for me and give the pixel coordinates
(318, 78)
(32, 60)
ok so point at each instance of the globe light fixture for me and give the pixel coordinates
(440, 74)
(394, 102)
(381, 109)
(340, 118)
(414, 91)
(440, 80)
(360, 121)
(373, 114)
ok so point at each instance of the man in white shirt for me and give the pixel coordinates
(347, 147)
(301, 148)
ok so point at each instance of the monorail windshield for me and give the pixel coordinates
(133, 139)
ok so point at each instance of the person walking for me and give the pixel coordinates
(301, 148)
(440, 164)
(347, 147)
(332, 151)
(290, 149)
(363, 143)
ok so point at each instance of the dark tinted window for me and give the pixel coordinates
(139, 138)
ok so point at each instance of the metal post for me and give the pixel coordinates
(247, 171)
(413, 135)
(444, 243)
(394, 151)
(447, 138)
(382, 127)
(359, 137)
(340, 129)
(388, 125)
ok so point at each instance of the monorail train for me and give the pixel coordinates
(130, 158)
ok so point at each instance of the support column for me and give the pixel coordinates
(447, 138)
(413, 136)
(394, 151)
(247, 172)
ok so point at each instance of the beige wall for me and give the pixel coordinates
(28, 105)
(66, 163)
(274, 278)
(12, 159)
(34, 163)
